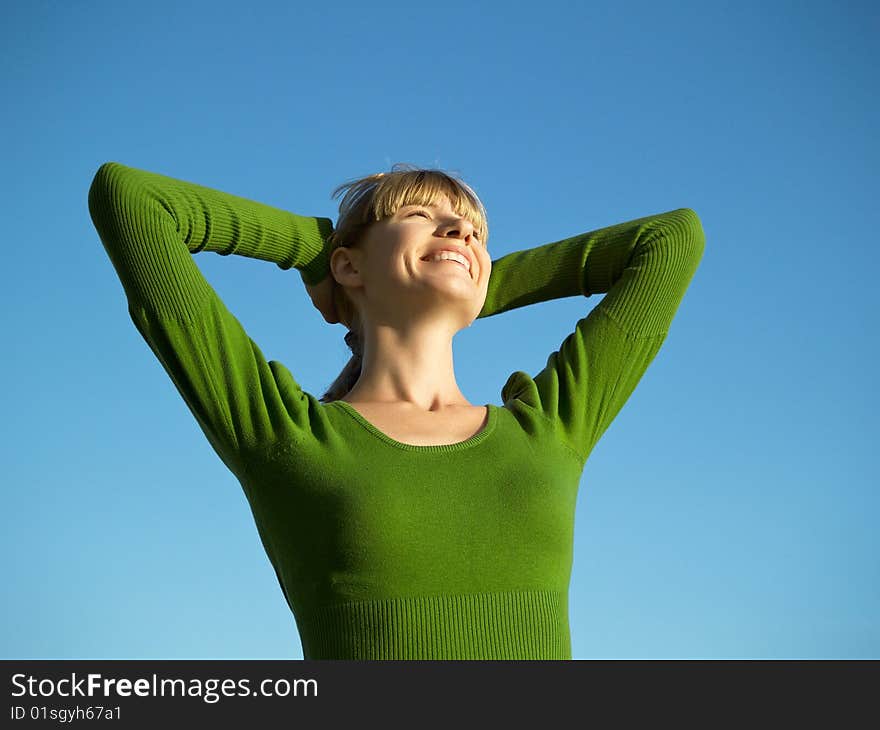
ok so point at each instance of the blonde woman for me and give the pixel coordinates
(403, 521)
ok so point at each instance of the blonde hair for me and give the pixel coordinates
(373, 198)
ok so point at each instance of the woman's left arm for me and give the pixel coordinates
(645, 266)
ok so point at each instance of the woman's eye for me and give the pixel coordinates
(477, 234)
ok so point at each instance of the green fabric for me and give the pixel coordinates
(384, 549)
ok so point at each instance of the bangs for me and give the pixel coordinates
(381, 195)
(427, 187)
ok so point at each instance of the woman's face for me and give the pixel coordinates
(397, 265)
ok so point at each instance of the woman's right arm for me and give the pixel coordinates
(150, 226)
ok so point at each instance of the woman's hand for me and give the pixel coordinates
(322, 297)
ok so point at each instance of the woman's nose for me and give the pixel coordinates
(462, 228)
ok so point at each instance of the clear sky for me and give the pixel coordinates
(728, 512)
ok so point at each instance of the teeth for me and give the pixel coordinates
(451, 256)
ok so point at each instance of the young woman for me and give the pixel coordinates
(403, 522)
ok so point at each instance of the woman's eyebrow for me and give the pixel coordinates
(435, 206)
(420, 205)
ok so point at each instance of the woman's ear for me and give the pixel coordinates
(344, 266)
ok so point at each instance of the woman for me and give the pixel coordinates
(402, 521)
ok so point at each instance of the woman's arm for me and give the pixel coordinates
(150, 225)
(645, 266)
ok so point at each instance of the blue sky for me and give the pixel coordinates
(728, 512)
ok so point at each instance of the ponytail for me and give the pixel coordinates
(350, 373)
(354, 339)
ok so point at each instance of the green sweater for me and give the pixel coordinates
(386, 550)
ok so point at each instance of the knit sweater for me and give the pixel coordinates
(387, 550)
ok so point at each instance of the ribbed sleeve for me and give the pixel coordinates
(151, 225)
(645, 266)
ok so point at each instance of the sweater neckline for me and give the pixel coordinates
(477, 438)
